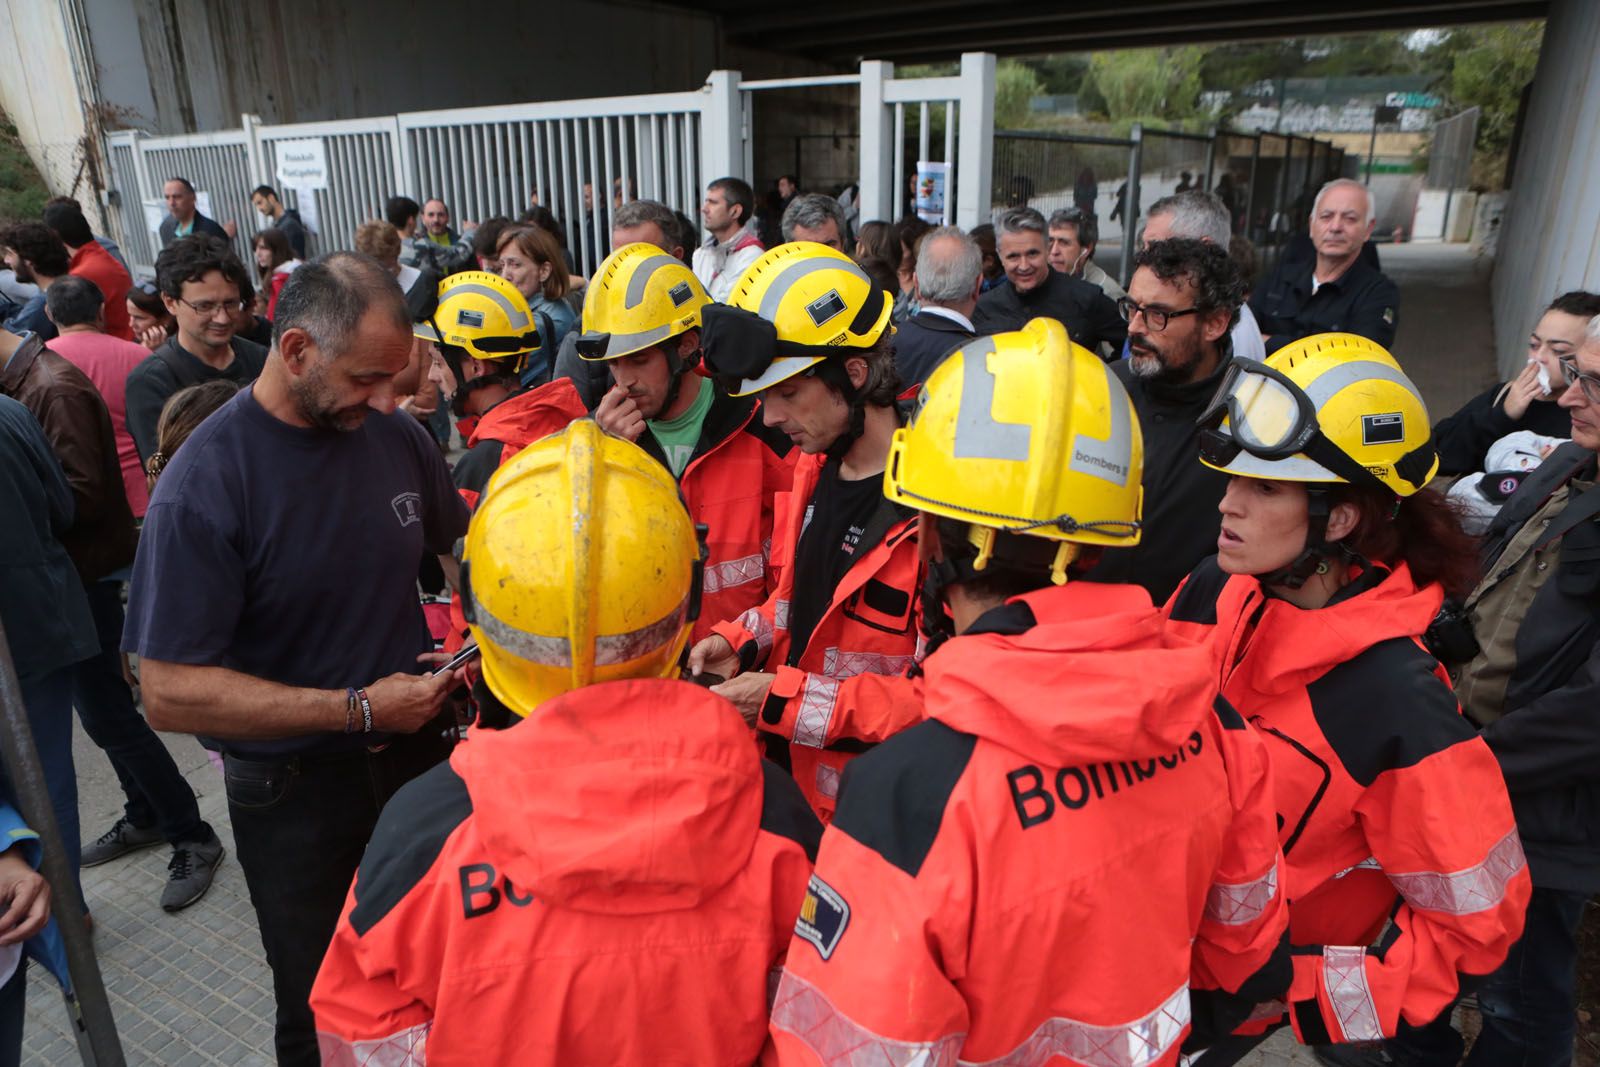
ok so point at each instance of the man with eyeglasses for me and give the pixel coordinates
(1182, 300)
(200, 281)
(1532, 685)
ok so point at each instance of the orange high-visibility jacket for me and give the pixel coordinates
(870, 627)
(1070, 861)
(1404, 865)
(613, 880)
(738, 468)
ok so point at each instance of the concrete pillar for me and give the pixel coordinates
(721, 130)
(877, 143)
(975, 168)
(1550, 235)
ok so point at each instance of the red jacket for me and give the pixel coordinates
(1404, 866)
(101, 267)
(611, 881)
(502, 432)
(737, 469)
(1076, 852)
(870, 627)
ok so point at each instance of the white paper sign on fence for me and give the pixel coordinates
(303, 164)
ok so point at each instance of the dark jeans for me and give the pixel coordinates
(300, 826)
(156, 792)
(1530, 1005)
(48, 700)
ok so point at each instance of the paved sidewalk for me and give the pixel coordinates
(192, 989)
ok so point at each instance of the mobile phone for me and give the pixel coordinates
(707, 679)
(467, 652)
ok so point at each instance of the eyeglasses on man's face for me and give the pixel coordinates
(1155, 318)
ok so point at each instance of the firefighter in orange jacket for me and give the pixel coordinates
(612, 880)
(486, 330)
(1404, 867)
(1075, 859)
(641, 315)
(809, 331)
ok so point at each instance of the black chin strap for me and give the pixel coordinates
(1314, 558)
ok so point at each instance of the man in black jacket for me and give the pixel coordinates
(1534, 687)
(949, 278)
(1339, 292)
(286, 219)
(1032, 290)
(183, 217)
(201, 281)
(1183, 299)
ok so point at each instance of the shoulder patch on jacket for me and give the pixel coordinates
(892, 799)
(1386, 709)
(784, 810)
(410, 834)
(1196, 600)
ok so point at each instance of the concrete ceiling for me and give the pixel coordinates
(846, 31)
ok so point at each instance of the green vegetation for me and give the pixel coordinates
(22, 191)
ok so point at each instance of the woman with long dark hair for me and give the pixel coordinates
(1402, 859)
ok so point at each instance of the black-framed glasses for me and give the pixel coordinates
(1572, 375)
(1155, 318)
(207, 308)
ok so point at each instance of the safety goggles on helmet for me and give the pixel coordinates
(1270, 417)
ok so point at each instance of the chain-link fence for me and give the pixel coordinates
(1267, 180)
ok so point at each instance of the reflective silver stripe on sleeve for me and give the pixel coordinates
(548, 651)
(817, 699)
(732, 572)
(758, 627)
(1144, 1041)
(828, 781)
(1468, 891)
(1243, 902)
(1344, 971)
(408, 1048)
(780, 615)
(838, 663)
(836, 1039)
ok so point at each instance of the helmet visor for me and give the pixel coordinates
(507, 346)
(1264, 412)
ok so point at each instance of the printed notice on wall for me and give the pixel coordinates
(302, 164)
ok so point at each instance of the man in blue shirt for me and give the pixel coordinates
(275, 612)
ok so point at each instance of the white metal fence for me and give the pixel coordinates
(578, 157)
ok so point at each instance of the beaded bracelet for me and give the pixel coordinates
(366, 711)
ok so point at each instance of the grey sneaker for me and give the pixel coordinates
(121, 839)
(189, 872)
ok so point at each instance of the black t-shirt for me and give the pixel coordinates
(291, 554)
(830, 538)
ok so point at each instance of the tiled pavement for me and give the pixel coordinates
(192, 990)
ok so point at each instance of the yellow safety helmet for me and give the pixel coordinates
(640, 297)
(816, 301)
(1024, 433)
(1329, 408)
(581, 565)
(484, 314)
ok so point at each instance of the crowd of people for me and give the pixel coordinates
(813, 644)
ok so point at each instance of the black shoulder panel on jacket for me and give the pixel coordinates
(784, 810)
(1386, 709)
(473, 470)
(1197, 598)
(1227, 714)
(410, 834)
(892, 799)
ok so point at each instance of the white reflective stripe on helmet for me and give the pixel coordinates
(1344, 972)
(404, 1048)
(1325, 386)
(550, 651)
(1465, 892)
(626, 344)
(515, 316)
(779, 370)
(837, 1040)
(640, 279)
(1234, 904)
(1144, 1041)
(1295, 468)
(732, 572)
(817, 699)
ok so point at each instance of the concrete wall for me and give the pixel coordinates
(37, 89)
(1550, 236)
(180, 66)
